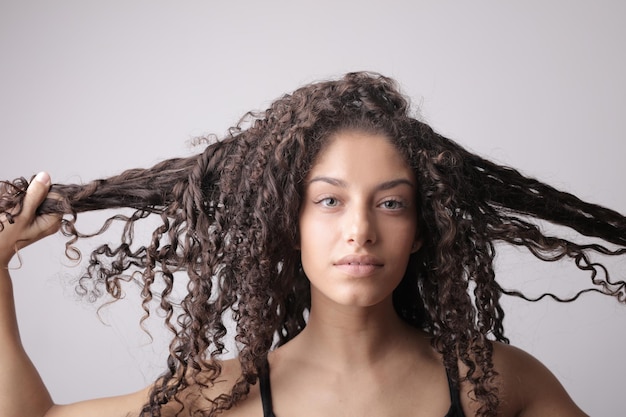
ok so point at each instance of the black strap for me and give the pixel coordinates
(456, 410)
(266, 391)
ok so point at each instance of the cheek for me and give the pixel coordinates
(306, 234)
(402, 233)
(312, 235)
(316, 243)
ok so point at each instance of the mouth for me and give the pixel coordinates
(360, 260)
(359, 265)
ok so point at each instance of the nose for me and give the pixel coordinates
(360, 226)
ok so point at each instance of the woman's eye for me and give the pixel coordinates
(392, 204)
(328, 202)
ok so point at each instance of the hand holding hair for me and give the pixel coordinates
(22, 226)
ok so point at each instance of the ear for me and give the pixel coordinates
(417, 244)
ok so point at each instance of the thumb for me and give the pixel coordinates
(36, 194)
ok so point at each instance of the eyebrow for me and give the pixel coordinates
(387, 185)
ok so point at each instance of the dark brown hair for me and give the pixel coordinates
(229, 219)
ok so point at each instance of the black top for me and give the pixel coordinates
(266, 395)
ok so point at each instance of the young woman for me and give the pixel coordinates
(353, 247)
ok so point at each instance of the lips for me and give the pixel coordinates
(359, 265)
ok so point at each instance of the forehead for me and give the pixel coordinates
(361, 155)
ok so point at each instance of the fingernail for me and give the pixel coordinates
(43, 178)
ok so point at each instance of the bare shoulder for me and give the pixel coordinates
(528, 388)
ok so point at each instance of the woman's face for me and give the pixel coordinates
(358, 220)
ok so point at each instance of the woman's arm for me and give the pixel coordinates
(22, 392)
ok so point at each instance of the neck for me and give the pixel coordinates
(351, 337)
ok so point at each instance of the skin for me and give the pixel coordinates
(355, 357)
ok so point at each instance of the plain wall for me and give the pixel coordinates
(89, 88)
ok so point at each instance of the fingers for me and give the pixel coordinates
(26, 227)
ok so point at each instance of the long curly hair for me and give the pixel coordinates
(229, 220)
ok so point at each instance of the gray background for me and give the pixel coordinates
(88, 88)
